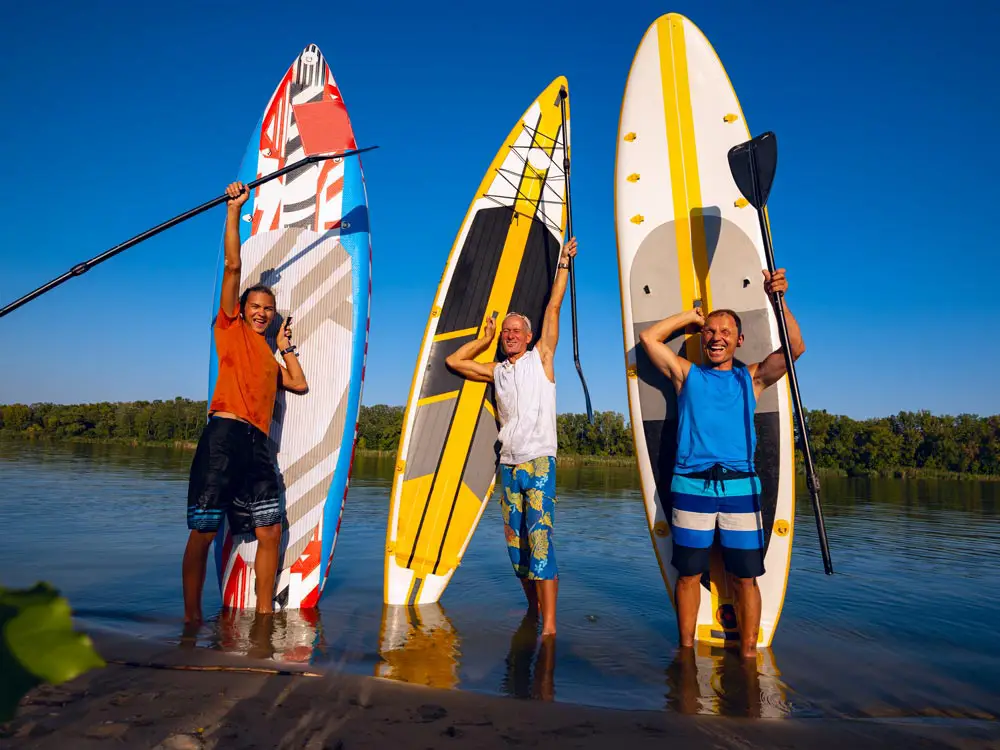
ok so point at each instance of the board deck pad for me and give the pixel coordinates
(324, 127)
(504, 259)
(305, 235)
(686, 236)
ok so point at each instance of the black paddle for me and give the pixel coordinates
(82, 268)
(753, 164)
(572, 275)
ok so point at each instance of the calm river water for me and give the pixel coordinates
(905, 627)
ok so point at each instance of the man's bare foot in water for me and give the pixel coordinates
(189, 634)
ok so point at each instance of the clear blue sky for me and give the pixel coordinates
(119, 116)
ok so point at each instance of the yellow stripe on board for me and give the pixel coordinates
(692, 255)
(435, 399)
(456, 334)
(692, 251)
(445, 485)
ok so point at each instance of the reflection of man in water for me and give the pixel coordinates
(233, 472)
(517, 680)
(707, 680)
(714, 481)
(525, 385)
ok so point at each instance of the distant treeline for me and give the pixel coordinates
(908, 442)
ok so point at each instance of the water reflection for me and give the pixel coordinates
(527, 650)
(716, 681)
(418, 644)
(294, 635)
(898, 631)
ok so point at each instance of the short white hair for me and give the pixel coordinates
(527, 322)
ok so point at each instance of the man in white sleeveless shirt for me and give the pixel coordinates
(525, 384)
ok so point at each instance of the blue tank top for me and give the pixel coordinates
(715, 420)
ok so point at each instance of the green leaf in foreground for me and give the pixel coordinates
(38, 644)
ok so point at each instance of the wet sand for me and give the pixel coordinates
(217, 701)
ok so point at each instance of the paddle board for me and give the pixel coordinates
(503, 259)
(305, 234)
(685, 233)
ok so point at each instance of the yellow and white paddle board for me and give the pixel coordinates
(503, 260)
(684, 234)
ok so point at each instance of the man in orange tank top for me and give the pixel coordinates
(233, 472)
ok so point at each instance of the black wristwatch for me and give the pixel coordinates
(564, 265)
(289, 350)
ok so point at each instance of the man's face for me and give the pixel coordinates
(259, 311)
(719, 339)
(514, 336)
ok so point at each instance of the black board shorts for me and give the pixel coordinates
(233, 473)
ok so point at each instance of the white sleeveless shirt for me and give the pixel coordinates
(526, 406)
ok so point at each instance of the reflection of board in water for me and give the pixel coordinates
(418, 645)
(685, 237)
(290, 635)
(715, 681)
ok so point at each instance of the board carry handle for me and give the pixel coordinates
(81, 268)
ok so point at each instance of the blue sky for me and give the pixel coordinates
(126, 115)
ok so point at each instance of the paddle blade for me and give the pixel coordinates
(753, 165)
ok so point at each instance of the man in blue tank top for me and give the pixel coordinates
(714, 482)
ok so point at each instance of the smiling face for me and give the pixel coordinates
(259, 311)
(720, 336)
(515, 335)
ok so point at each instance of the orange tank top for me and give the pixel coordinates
(247, 382)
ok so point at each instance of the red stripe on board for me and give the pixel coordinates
(334, 187)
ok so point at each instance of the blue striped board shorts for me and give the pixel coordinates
(718, 497)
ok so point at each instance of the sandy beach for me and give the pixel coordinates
(154, 695)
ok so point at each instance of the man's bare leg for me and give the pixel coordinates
(531, 593)
(748, 614)
(687, 594)
(548, 592)
(265, 565)
(193, 573)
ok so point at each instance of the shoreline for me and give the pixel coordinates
(566, 459)
(158, 695)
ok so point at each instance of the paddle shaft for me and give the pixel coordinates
(81, 268)
(811, 479)
(572, 268)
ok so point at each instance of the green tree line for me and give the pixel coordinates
(904, 442)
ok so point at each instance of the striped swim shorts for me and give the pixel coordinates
(718, 497)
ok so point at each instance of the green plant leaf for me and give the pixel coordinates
(38, 643)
